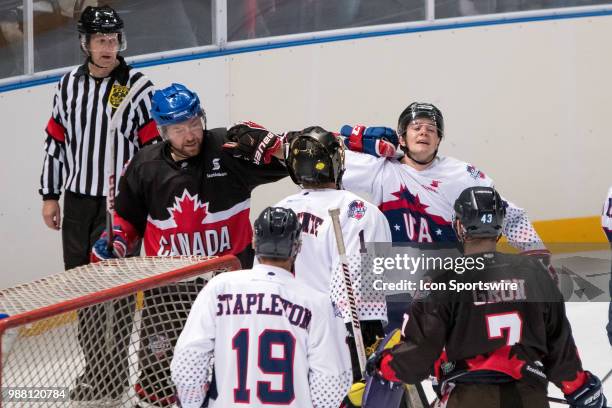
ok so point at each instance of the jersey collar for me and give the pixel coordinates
(120, 73)
(270, 270)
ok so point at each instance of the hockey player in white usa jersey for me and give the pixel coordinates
(417, 191)
(315, 161)
(273, 342)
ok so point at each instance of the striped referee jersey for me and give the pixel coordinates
(77, 147)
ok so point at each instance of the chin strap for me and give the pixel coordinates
(99, 66)
(407, 153)
(91, 61)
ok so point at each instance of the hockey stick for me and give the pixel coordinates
(603, 380)
(356, 326)
(111, 165)
(412, 392)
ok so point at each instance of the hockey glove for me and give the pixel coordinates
(544, 257)
(590, 395)
(100, 251)
(376, 141)
(252, 142)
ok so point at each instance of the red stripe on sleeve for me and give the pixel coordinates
(56, 130)
(569, 387)
(147, 133)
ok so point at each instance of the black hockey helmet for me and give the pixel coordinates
(481, 211)
(277, 233)
(315, 156)
(99, 20)
(420, 110)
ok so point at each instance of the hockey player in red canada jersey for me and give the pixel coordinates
(502, 344)
(189, 195)
(272, 341)
(315, 161)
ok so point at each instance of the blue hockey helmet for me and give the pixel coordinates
(175, 104)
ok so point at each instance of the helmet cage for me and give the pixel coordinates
(163, 129)
(84, 39)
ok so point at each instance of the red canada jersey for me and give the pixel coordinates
(197, 206)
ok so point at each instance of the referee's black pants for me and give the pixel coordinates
(104, 329)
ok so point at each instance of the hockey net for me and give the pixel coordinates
(100, 335)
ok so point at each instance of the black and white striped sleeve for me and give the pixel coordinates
(52, 173)
(144, 128)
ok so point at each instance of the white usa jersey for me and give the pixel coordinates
(419, 203)
(274, 343)
(318, 265)
(606, 216)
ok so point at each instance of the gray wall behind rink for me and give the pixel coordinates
(526, 103)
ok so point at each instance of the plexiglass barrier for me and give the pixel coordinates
(159, 26)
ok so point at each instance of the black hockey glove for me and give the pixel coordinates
(590, 395)
(252, 142)
(372, 367)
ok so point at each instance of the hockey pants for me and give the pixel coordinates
(509, 395)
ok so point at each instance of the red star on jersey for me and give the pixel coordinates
(407, 200)
(418, 205)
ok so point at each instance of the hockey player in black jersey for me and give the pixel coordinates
(501, 346)
(189, 195)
